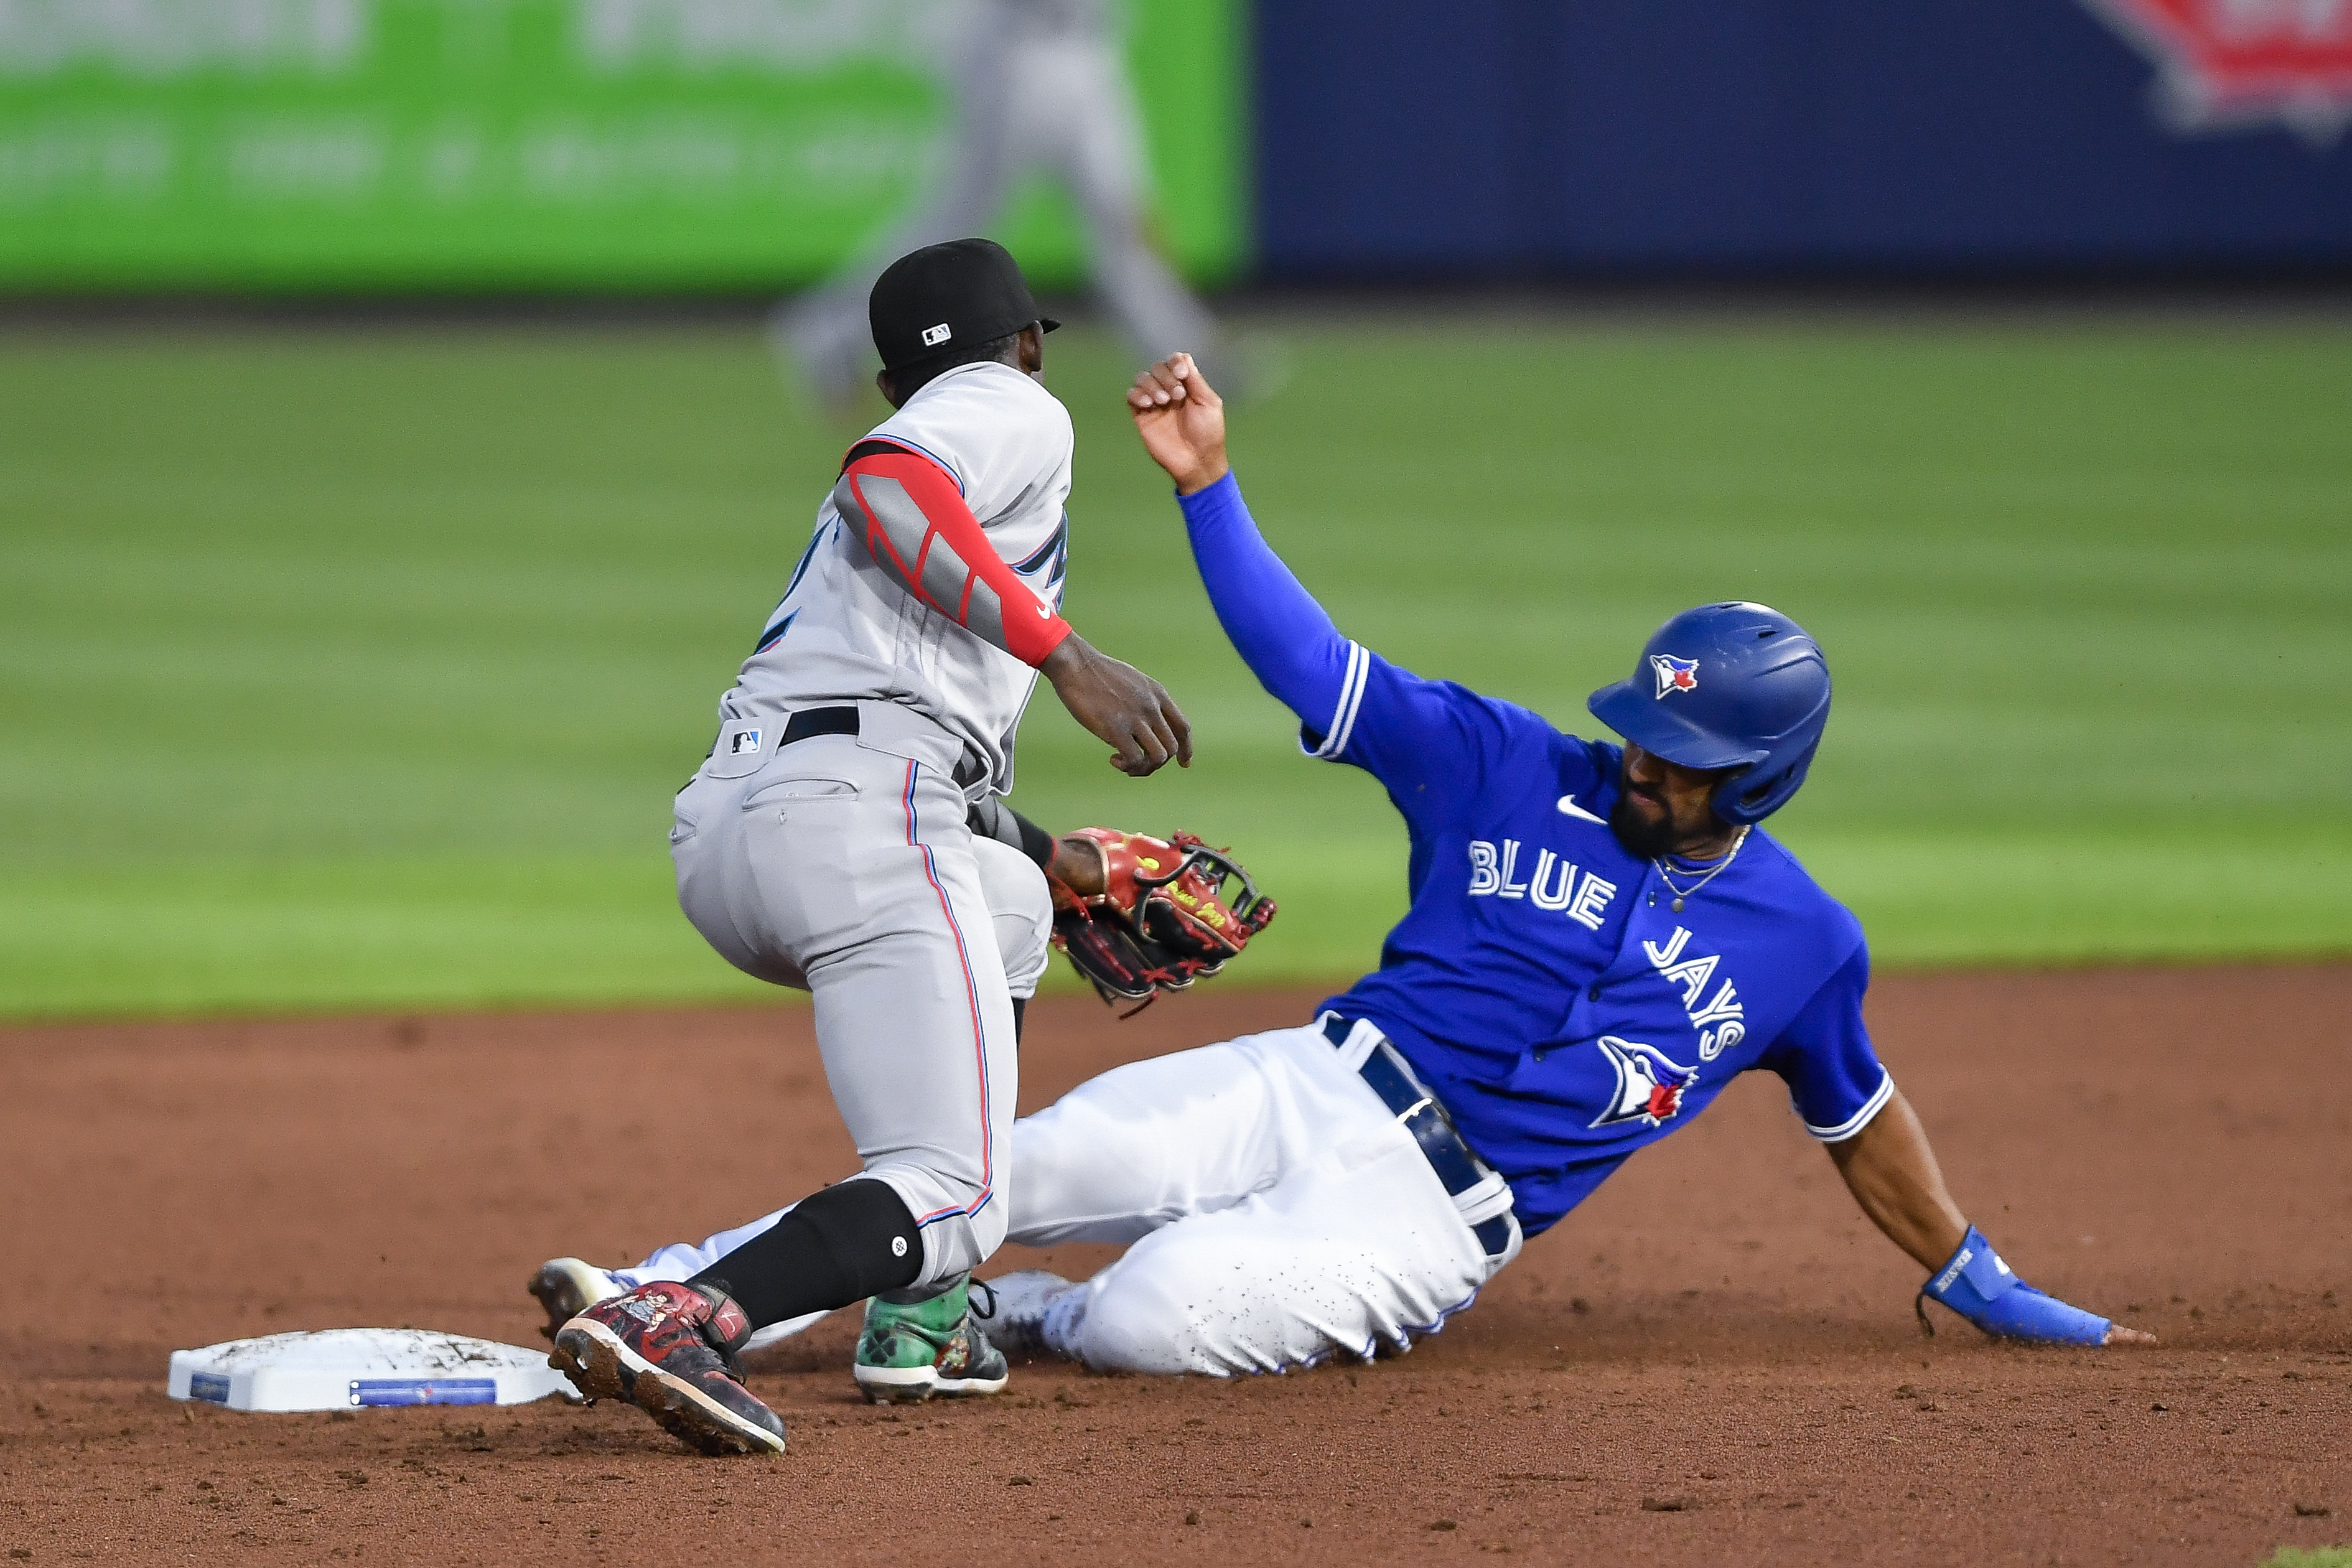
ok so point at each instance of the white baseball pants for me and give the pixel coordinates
(842, 865)
(1276, 1212)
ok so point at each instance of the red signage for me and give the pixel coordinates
(2236, 62)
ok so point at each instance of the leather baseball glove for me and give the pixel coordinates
(1162, 921)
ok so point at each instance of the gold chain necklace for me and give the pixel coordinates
(1682, 894)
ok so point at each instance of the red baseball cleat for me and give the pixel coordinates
(668, 1349)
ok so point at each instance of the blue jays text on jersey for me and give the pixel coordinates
(1542, 983)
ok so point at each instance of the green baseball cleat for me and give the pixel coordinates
(907, 1353)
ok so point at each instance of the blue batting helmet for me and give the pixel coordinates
(1727, 686)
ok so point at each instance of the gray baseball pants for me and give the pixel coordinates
(841, 866)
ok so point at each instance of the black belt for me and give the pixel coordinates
(811, 722)
(1420, 1114)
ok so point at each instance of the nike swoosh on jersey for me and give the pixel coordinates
(1569, 808)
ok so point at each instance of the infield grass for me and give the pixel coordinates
(355, 668)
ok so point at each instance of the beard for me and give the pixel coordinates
(1649, 838)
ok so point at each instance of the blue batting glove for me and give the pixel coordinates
(1975, 1283)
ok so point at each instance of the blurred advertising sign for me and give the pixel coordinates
(2238, 62)
(402, 144)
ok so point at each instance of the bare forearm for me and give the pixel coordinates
(1892, 1173)
(1120, 704)
(1078, 864)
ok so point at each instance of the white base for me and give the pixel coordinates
(339, 1369)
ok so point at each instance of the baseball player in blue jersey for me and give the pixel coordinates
(1601, 938)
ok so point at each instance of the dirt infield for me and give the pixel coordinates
(1714, 1361)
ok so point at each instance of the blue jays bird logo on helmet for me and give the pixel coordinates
(1758, 717)
(1650, 1084)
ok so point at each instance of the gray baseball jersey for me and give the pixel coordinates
(843, 862)
(852, 626)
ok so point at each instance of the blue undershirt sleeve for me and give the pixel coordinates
(1273, 623)
(1430, 742)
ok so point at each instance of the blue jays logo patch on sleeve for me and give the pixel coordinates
(1674, 674)
(1650, 1084)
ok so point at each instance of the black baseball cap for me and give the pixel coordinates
(944, 297)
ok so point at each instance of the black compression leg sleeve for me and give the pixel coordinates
(1020, 1006)
(850, 1241)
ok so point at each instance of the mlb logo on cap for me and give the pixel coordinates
(966, 291)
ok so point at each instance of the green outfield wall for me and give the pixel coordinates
(316, 145)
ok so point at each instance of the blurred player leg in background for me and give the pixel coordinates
(822, 336)
(1036, 86)
(1075, 114)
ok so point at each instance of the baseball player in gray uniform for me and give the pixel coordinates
(829, 844)
(1037, 85)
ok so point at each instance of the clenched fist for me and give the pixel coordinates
(1182, 422)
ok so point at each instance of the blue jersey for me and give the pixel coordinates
(1542, 982)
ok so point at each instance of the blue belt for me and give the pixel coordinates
(1421, 1114)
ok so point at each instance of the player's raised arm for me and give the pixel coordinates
(1282, 634)
(909, 513)
(1893, 1174)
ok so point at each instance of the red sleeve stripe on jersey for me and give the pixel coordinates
(906, 509)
